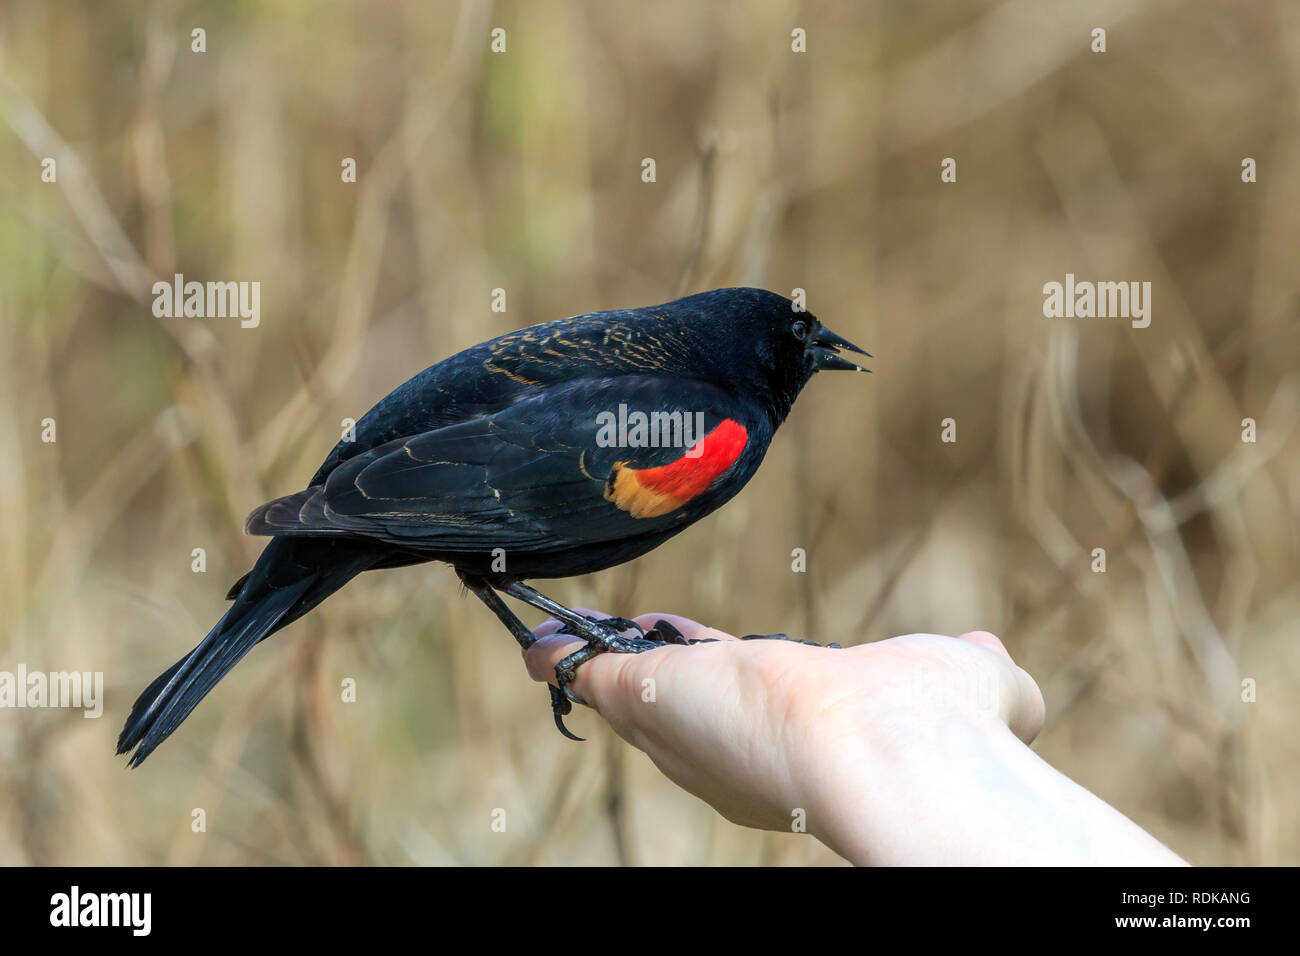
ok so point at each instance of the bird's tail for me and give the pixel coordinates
(290, 578)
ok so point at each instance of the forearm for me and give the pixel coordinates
(970, 793)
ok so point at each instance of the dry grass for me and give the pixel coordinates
(521, 171)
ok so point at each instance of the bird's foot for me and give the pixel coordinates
(602, 634)
(606, 634)
(667, 633)
(670, 635)
(618, 624)
(787, 637)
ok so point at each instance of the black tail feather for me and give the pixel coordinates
(290, 578)
(238, 586)
(172, 696)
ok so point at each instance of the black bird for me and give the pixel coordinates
(560, 449)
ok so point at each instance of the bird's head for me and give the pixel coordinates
(757, 341)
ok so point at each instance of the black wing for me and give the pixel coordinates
(493, 375)
(536, 475)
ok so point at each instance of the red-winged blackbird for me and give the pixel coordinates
(560, 449)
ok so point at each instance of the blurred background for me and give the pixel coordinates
(522, 171)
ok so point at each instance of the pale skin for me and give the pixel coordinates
(908, 751)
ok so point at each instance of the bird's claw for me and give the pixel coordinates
(665, 632)
(787, 637)
(560, 708)
(670, 635)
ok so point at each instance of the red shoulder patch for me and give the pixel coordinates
(651, 492)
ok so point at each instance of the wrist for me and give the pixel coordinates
(910, 790)
(962, 789)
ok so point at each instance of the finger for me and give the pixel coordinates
(1020, 701)
(1027, 716)
(541, 658)
(546, 628)
(986, 639)
(552, 646)
(607, 679)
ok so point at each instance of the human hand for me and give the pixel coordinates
(873, 745)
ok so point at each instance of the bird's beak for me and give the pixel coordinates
(825, 352)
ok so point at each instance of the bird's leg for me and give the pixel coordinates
(560, 705)
(484, 592)
(605, 632)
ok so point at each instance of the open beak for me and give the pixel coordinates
(825, 352)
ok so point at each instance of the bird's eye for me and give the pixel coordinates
(800, 330)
